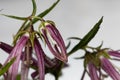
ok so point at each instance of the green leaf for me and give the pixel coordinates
(34, 8)
(76, 38)
(80, 57)
(15, 17)
(87, 38)
(68, 45)
(48, 10)
(44, 13)
(6, 67)
(18, 77)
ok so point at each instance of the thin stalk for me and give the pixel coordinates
(26, 61)
(82, 78)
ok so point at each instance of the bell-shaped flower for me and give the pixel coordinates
(99, 65)
(49, 63)
(16, 52)
(109, 69)
(54, 41)
(93, 71)
(40, 62)
(115, 54)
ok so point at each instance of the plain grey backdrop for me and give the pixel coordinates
(73, 18)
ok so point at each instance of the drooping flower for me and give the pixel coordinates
(115, 54)
(54, 41)
(40, 57)
(6, 47)
(16, 52)
(99, 64)
(109, 69)
(49, 63)
(93, 71)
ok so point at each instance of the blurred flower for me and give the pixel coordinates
(16, 52)
(6, 47)
(54, 41)
(93, 71)
(43, 64)
(40, 57)
(98, 63)
(109, 69)
(115, 54)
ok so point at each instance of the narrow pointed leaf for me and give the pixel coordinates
(6, 67)
(34, 7)
(100, 45)
(80, 57)
(15, 17)
(87, 38)
(76, 38)
(41, 15)
(68, 45)
(48, 10)
(18, 77)
(0, 65)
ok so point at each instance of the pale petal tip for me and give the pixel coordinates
(27, 34)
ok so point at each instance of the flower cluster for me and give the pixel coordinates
(98, 64)
(25, 42)
(28, 52)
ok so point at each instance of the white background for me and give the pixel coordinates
(73, 18)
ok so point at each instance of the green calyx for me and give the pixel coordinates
(91, 58)
(95, 56)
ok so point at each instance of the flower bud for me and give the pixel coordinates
(54, 41)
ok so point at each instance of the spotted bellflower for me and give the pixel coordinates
(16, 52)
(100, 66)
(54, 40)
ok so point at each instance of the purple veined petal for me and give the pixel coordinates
(48, 62)
(34, 74)
(56, 54)
(24, 71)
(7, 48)
(93, 72)
(54, 30)
(109, 69)
(16, 52)
(57, 37)
(16, 48)
(114, 53)
(39, 53)
(61, 56)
